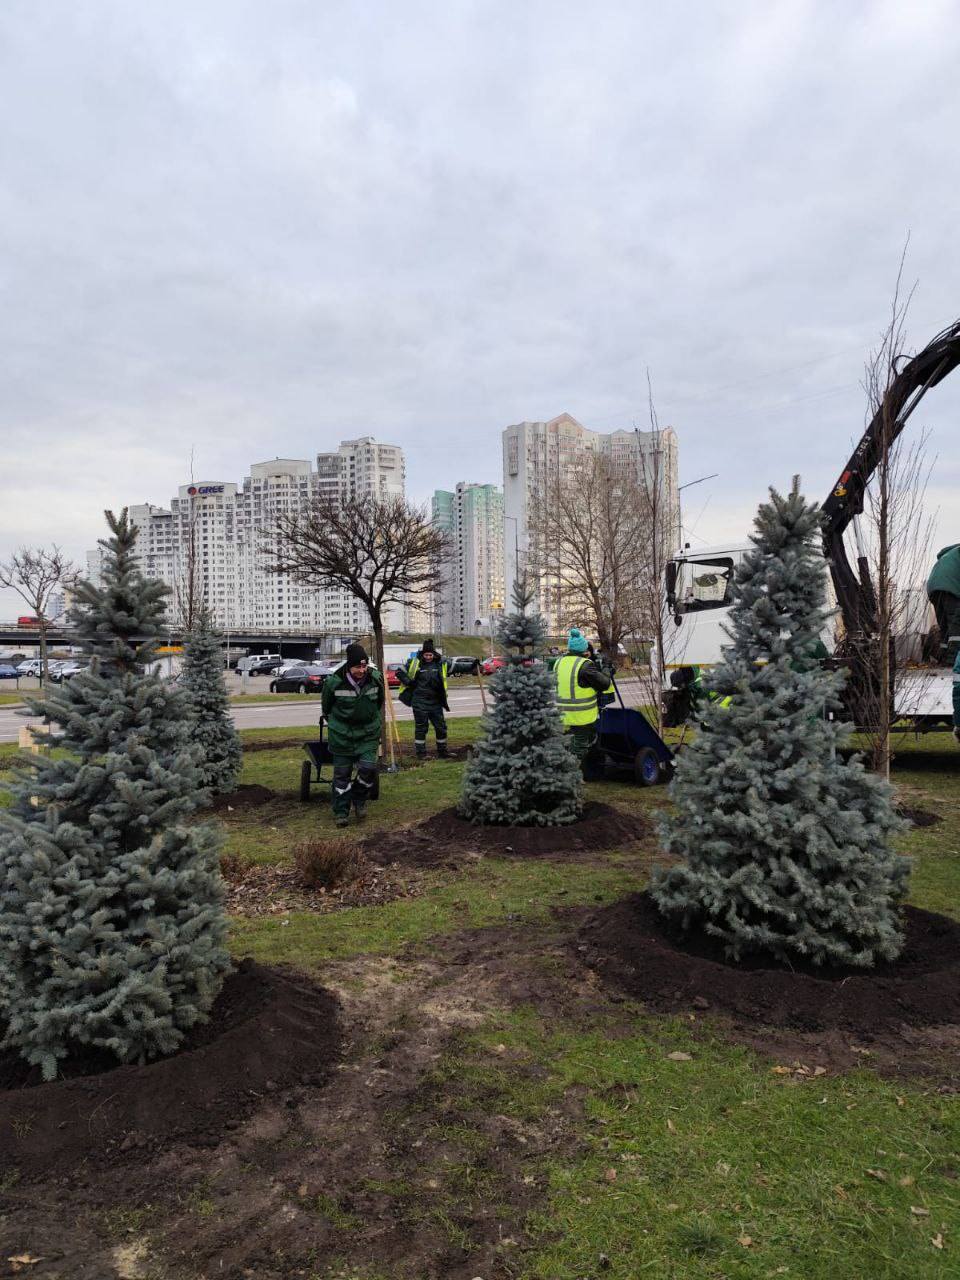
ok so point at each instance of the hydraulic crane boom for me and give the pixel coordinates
(855, 593)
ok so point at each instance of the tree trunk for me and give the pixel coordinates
(376, 622)
(44, 664)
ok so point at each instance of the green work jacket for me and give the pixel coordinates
(352, 715)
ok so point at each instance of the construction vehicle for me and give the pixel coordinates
(698, 584)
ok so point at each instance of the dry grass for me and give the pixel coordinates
(324, 861)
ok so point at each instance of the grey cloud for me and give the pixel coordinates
(259, 228)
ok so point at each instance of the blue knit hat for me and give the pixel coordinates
(576, 641)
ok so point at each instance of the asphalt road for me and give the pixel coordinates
(464, 701)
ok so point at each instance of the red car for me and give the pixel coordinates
(393, 680)
(489, 665)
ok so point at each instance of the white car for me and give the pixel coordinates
(32, 667)
(67, 670)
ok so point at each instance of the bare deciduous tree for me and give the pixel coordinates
(35, 573)
(897, 540)
(382, 551)
(585, 531)
(658, 535)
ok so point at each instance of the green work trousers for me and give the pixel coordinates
(349, 788)
(580, 740)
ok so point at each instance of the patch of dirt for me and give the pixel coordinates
(919, 817)
(272, 744)
(902, 1017)
(267, 1030)
(446, 838)
(249, 795)
(394, 1167)
(256, 890)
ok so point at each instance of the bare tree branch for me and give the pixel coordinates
(381, 551)
(35, 573)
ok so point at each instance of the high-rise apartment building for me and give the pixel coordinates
(538, 455)
(472, 517)
(225, 524)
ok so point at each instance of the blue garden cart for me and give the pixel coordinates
(627, 740)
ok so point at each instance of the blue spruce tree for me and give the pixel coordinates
(111, 918)
(213, 729)
(522, 773)
(787, 846)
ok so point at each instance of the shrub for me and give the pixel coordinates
(324, 862)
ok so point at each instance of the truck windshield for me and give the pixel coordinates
(702, 584)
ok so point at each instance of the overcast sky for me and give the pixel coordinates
(254, 229)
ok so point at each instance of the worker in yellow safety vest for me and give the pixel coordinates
(580, 681)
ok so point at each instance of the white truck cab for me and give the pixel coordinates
(698, 595)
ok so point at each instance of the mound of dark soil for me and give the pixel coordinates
(629, 944)
(249, 795)
(445, 838)
(267, 1030)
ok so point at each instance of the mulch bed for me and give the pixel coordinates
(901, 1014)
(257, 890)
(445, 838)
(268, 1030)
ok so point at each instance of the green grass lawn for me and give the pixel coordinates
(696, 1170)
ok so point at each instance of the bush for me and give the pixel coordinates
(321, 863)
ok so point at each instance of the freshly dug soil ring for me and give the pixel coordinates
(249, 795)
(267, 1030)
(445, 837)
(629, 944)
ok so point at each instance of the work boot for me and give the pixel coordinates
(361, 808)
(441, 751)
(343, 820)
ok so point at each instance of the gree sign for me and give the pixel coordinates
(204, 489)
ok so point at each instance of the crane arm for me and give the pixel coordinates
(854, 589)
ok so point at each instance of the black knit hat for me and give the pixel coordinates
(427, 646)
(356, 654)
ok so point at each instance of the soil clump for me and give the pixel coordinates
(249, 795)
(900, 1018)
(445, 838)
(267, 1030)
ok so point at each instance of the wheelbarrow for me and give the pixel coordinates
(627, 739)
(318, 755)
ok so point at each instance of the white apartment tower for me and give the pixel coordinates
(472, 517)
(226, 523)
(538, 454)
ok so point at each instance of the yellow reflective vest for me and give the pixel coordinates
(577, 706)
(413, 666)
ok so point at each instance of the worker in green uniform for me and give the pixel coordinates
(424, 681)
(579, 682)
(352, 702)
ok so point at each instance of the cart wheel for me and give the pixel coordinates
(646, 767)
(306, 775)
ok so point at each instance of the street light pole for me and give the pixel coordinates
(680, 490)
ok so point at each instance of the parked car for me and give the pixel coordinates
(32, 667)
(264, 666)
(303, 679)
(257, 660)
(8, 672)
(393, 680)
(489, 665)
(67, 670)
(463, 665)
